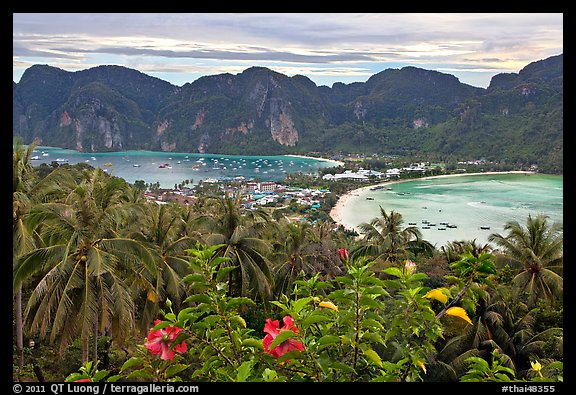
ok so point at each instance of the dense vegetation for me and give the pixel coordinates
(109, 286)
(517, 120)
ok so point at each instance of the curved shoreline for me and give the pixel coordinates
(339, 207)
(334, 162)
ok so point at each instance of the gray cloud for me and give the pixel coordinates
(441, 41)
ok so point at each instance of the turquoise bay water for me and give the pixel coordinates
(183, 166)
(468, 201)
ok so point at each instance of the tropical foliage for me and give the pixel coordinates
(215, 292)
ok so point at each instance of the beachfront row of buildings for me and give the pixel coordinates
(363, 174)
(253, 194)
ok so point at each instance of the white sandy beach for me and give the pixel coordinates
(334, 162)
(338, 209)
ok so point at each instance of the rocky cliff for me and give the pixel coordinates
(403, 111)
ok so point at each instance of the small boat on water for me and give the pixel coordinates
(135, 165)
(485, 227)
(62, 160)
(107, 164)
(35, 157)
(369, 198)
(165, 166)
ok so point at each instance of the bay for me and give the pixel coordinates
(145, 165)
(470, 202)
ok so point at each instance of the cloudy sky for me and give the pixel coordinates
(326, 47)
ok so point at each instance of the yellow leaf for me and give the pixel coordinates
(151, 296)
(436, 294)
(422, 366)
(330, 305)
(459, 312)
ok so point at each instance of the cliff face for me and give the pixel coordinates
(110, 108)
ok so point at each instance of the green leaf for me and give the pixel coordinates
(75, 376)
(371, 323)
(239, 301)
(238, 320)
(170, 317)
(313, 318)
(162, 325)
(291, 355)
(142, 373)
(211, 319)
(373, 337)
(373, 356)
(113, 379)
(269, 375)
(419, 277)
(252, 342)
(300, 303)
(179, 339)
(342, 366)
(276, 303)
(393, 271)
(282, 337)
(184, 313)
(173, 370)
(191, 278)
(223, 271)
(132, 362)
(100, 375)
(244, 371)
(328, 339)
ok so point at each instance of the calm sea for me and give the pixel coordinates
(470, 202)
(145, 165)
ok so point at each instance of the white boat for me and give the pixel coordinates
(136, 165)
(62, 160)
(35, 157)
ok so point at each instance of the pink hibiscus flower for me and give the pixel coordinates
(410, 266)
(272, 328)
(159, 342)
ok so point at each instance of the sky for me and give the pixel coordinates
(325, 47)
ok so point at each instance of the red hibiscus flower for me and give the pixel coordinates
(272, 328)
(159, 342)
(83, 381)
(343, 254)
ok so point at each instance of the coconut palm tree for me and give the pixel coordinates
(240, 235)
(27, 190)
(162, 227)
(294, 241)
(454, 249)
(536, 251)
(505, 327)
(84, 265)
(22, 240)
(386, 237)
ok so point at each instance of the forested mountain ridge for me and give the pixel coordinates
(407, 111)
